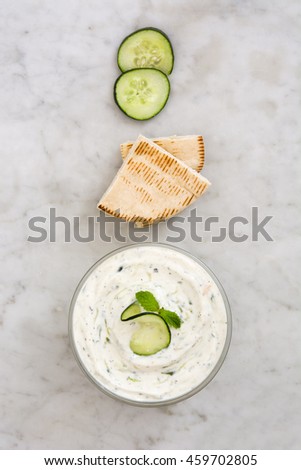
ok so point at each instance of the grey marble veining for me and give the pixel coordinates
(236, 80)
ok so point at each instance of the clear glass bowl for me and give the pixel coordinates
(166, 401)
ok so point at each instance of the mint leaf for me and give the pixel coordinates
(147, 301)
(171, 318)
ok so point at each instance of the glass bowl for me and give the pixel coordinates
(161, 402)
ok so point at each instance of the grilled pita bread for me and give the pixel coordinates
(189, 148)
(151, 185)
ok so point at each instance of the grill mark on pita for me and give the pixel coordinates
(199, 187)
(169, 213)
(165, 187)
(146, 172)
(146, 196)
(201, 143)
(160, 182)
(201, 152)
(203, 187)
(125, 149)
(176, 170)
(140, 168)
(177, 191)
(157, 153)
(185, 174)
(193, 187)
(165, 213)
(147, 151)
(126, 180)
(174, 211)
(150, 179)
(188, 200)
(159, 162)
(106, 209)
(151, 151)
(139, 150)
(132, 164)
(179, 171)
(165, 165)
(137, 167)
(113, 212)
(158, 142)
(157, 158)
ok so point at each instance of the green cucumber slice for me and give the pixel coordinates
(146, 48)
(152, 335)
(141, 93)
(131, 311)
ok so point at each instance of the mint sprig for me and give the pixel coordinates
(171, 318)
(148, 301)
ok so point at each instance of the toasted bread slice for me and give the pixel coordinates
(151, 185)
(188, 148)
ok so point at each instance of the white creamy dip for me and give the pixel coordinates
(102, 340)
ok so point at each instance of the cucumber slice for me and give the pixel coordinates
(131, 311)
(141, 93)
(146, 48)
(152, 335)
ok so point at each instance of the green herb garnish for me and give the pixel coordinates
(170, 317)
(148, 301)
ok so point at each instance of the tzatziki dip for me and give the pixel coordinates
(180, 283)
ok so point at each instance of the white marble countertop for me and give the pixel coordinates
(236, 80)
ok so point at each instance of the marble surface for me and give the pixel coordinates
(236, 80)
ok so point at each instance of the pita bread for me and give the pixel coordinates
(189, 148)
(151, 185)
